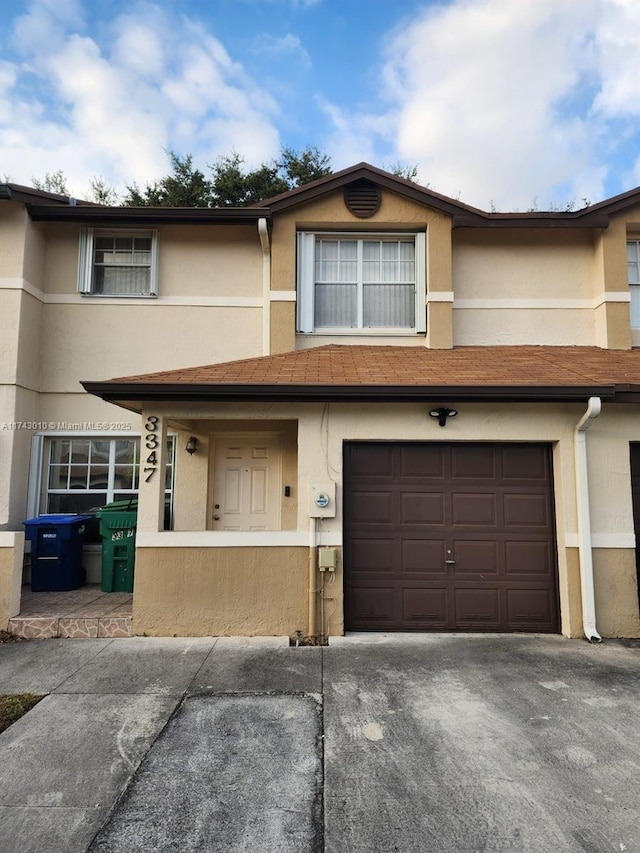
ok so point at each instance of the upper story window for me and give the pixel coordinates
(633, 266)
(117, 262)
(361, 282)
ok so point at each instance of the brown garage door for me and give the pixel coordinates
(447, 537)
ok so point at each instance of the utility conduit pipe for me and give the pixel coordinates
(594, 408)
(312, 576)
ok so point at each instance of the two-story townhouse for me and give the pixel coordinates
(413, 415)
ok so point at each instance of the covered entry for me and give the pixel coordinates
(448, 537)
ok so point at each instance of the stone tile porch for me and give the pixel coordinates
(78, 613)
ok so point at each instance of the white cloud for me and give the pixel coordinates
(113, 109)
(509, 102)
(289, 45)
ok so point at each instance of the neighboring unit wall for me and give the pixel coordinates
(523, 287)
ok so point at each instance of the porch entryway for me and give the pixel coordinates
(77, 613)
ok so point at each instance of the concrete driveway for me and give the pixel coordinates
(373, 745)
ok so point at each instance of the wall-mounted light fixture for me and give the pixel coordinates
(442, 414)
(191, 445)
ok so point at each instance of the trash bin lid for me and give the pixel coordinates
(127, 505)
(56, 518)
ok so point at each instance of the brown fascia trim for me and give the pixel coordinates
(463, 215)
(113, 392)
(17, 192)
(401, 186)
(115, 216)
(531, 220)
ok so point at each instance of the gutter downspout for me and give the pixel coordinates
(266, 286)
(584, 520)
(312, 576)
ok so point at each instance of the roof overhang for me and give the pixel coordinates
(145, 216)
(115, 392)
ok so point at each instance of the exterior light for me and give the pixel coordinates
(442, 414)
(192, 445)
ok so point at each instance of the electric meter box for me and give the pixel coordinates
(322, 500)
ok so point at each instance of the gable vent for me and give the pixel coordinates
(362, 198)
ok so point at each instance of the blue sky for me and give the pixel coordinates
(509, 104)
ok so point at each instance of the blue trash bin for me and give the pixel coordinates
(56, 551)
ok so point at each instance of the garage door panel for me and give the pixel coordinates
(528, 558)
(486, 507)
(530, 609)
(526, 510)
(525, 462)
(371, 460)
(425, 608)
(468, 464)
(473, 556)
(373, 605)
(423, 555)
(424, 461)
(478, 607)
(373, 555)
(420, 508)
(473, 510)
(371, 507)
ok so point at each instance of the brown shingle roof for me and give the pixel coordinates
(413, 367)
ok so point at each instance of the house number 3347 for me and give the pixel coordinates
(152, 445)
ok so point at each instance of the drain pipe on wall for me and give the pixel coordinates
(594, 408)
(263, 232)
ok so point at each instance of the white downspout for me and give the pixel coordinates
(584, 520)
(266, 286)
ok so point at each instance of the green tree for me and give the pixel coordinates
(184, 186)
(53, 182)
(101, 192)
(230, 184)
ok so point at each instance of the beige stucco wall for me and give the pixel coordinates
(516, 287)
(523, 264)
(220, 591)
(97, 340)
(18, 413)
(11, 551)
(614, 574)
(193, 260)
(490, 326)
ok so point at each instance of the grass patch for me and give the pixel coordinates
(14, 706)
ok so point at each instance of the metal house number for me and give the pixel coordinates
(152, 444)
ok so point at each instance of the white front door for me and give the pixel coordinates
(246, 493)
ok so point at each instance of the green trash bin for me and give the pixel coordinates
(118, 522)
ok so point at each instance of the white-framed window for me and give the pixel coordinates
(117, 262)
(79, 474)
(633, 267)
(361, 282)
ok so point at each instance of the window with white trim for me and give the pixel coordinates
(633, 267)
(82, 474)
(117, 262)
(361, 282)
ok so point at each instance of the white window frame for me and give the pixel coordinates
(86, 264)
(633, 277)
(40, 464)
(306, 242)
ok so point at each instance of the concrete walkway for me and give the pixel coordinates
(376, 744)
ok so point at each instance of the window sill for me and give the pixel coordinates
(144, 296)
(389, 333)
